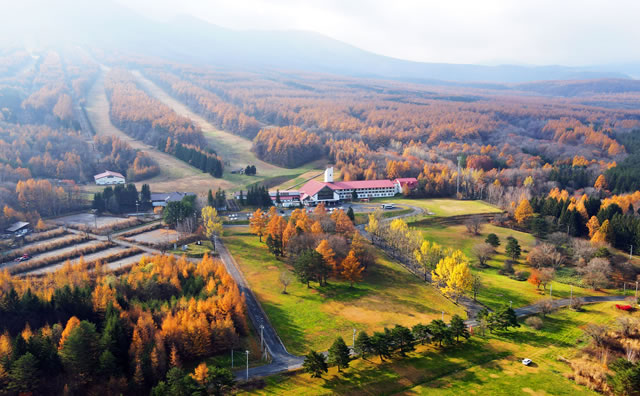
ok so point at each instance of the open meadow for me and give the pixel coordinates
(445, 207)
(312, 318)
(497, 289)
(481, 366)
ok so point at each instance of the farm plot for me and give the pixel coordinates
(87, 219)
(88, 258)
(156, 236)
(118, 264)
(18, 251)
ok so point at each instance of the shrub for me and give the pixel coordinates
(41, 236)
(534, 322)
(45, 247)
(507, 268)
(576, 304)
(521, 275)
(47, 261)
(603, 252)
(140, 230)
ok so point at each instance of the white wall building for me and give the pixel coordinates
(108, 178)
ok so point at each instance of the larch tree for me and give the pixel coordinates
(258, 223)
(523, 212)
(351, 268)
(601, 183)
(593, 225)
(212, 223)
(328, 255)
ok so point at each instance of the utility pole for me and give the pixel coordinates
(247, 352)
(262, 337)
(458, 178)
(631, 253)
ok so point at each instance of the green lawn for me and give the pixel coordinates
(195, 250)
(482, 366)
(443, 207)
(312, 318)
(498, 289)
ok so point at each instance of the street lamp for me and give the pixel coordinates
(247, 352)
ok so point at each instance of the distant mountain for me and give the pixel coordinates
(581, 87)
(187, 39)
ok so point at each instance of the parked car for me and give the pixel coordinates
(526, 362)
(24, 257)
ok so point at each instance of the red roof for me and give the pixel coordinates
(313, 186)
(107, 174)
(409, 180)
(356, 184)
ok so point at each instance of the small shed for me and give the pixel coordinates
(18, 227)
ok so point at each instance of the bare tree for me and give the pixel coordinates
(545, 255)
(285, 280)
(595, 273)
(583, 251)
(545, 307)
(626, 325)
(558, 239)
(483, 252)
(474, 224)
(598, 333)
(476, 285)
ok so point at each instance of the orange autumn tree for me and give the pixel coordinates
(351, 268)
(258, 223)
(604, 233)
(593, 225)
(601, 183)
(523, 212)
(328, 255)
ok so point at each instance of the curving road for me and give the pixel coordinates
(281, 359)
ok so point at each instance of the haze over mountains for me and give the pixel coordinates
(187, 39)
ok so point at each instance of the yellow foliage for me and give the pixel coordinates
(452, 275)
(523, 212)
(201, 373)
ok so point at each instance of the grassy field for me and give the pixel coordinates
(195, 250)
(175, 175)
(498, 289)
(443, 207)
(482, 366)
(312, 318)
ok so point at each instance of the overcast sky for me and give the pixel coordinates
(567, 32)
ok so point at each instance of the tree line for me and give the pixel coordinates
(85, 331)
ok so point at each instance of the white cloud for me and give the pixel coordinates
(568, 32)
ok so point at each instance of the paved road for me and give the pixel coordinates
(565, 302)
(281, 359)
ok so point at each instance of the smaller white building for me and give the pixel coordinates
(108, 178)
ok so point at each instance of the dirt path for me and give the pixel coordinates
(175, 175)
